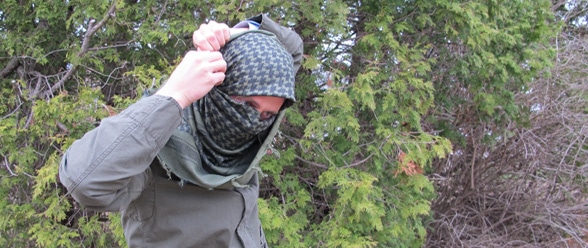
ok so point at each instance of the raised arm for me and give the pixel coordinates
(107, 168)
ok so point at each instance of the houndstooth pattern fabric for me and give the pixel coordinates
(257, 65)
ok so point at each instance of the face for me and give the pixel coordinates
(267, 106)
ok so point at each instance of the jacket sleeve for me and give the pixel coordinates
(107, 168)
(290, 39)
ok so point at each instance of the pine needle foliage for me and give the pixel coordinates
(380, 92)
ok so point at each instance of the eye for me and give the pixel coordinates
(266, 115)
(239, 100)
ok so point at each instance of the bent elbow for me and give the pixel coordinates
(83, 191)
(87, 197)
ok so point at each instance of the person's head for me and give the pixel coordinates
(259, 83)
(259, 71)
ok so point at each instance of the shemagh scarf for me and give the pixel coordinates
(228, 133)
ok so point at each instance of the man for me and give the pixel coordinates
(181, 165)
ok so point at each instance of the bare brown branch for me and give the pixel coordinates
(529, 185)
(12, 64)
(92, 28)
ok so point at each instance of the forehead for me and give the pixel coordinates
(268, 103)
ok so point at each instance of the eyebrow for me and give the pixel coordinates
(255, 105)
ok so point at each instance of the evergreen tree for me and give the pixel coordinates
(384, 94)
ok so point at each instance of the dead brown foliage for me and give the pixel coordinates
(528, 188)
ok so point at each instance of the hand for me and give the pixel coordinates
(194, 77)
(211, 36)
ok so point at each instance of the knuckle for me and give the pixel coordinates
(210, 36)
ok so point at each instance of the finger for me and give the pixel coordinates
(195, 38)
(209, 61)
(221, 32)
(215, 55)
(218, 77)
(210, 35)
(217, 64)
(227, 33)
(204, 39)
(200, 42)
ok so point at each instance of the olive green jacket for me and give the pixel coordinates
(113, 168)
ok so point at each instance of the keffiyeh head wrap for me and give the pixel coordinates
(257, 65)
(227, 132)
